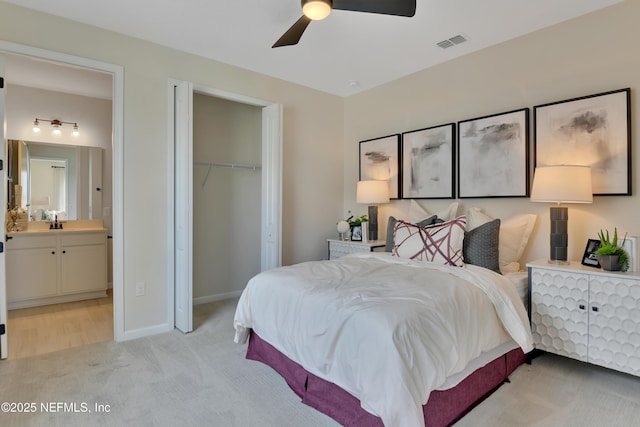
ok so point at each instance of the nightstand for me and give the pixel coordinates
(340, 248)
(586, 314)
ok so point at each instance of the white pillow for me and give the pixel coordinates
(514, 236)
(417, 213)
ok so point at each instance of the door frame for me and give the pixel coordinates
(117, 102)
(271, 192)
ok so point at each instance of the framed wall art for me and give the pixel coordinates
(493, 155)
(379, 160)
(593, 131)
(428, 166)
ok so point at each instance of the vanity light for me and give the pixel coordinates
(57, 125)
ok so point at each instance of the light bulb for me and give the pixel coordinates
(56, 131)
(316, 9)
(75, 132)
(36, 126)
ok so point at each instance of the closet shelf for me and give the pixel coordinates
(224, 165)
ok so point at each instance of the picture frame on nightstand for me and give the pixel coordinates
(356, 233)
(590, 258)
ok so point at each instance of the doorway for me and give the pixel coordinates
(181, 128)
(116, 75)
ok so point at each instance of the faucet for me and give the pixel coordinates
(55, 225)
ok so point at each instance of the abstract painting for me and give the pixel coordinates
(493, 159)
(379, 160)
(428, 163)
(593, 131)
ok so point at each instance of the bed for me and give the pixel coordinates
(385, 338)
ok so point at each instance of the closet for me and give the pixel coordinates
(227, 153)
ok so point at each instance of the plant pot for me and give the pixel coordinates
(609, 262)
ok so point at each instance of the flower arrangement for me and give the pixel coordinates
(16, 219)
(611, 247)
(356, 221)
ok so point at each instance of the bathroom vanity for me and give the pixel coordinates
(50, 266)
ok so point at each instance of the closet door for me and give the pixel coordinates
(183, 206)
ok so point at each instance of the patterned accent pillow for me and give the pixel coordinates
(481, 245)
(439, 243)
(391, 226)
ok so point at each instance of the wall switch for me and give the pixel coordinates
(139, 289)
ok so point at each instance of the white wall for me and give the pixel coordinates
(226, 209)
(312, 147)
(588, 55)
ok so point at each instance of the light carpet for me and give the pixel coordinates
(203, 379)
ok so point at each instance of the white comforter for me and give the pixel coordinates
(385, 329)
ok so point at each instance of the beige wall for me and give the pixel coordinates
(591, 54)
(226, 207)
(312, 151)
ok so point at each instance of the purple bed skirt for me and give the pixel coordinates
(442, 409)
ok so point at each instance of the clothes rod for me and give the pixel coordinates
(224, 165)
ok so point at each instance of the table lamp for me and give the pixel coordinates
(372, 192)
(561, 184)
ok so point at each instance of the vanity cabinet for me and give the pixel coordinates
(586, 314)
(55, 266)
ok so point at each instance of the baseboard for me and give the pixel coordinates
(145, 332)
(216, 297)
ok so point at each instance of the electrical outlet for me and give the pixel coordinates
(139, 289)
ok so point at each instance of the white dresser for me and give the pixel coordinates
(50, 267)
(587, 314)
(339, 248)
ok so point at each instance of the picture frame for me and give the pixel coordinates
(380, 160)
(593, 130)
(356, 233)
(428, 163)
(589, 258)
(493, 155)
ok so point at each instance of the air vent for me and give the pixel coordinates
(452, 41)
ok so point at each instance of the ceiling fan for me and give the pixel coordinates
(315, 10)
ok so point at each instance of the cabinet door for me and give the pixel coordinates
(559, 315)
(31, 273)
(614, 323)
(83, 268)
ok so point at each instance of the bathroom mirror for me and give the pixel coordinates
(54, 179)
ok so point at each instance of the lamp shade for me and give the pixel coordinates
(372, 192)
(562, 184)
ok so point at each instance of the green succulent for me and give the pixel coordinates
(611, 247)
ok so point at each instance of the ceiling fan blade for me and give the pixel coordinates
(385, 7)
(293, 34)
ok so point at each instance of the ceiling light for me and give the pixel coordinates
(57, 126)
(316, 9)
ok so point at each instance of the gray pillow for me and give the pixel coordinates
(480, 246)
(391, 225)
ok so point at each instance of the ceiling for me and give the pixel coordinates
(342, 55)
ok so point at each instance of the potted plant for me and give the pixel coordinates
(355, 224)
(611, 255)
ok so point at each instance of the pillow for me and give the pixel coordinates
(439, 243)
(480, 246)
(391, 225)
(417, 212)
(514, 236)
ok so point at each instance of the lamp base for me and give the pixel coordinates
(373, 223)
(558, 238)
(558, 262)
